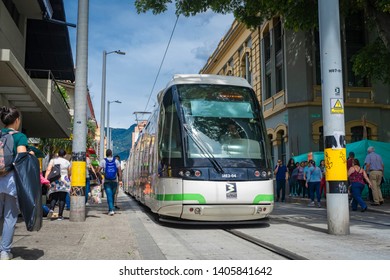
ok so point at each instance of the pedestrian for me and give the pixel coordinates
(291, 184)
(323, 180)
(281, 173)
(313, 182)
(306, 165)
(90, 172)
(356, 176)
(117, 157)
(112, 171)
(301, 179)
(350, 160)
(59, 188)
(375, 167)
(294, 180)
(9, 210)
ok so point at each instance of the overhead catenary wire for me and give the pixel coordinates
(162, 62)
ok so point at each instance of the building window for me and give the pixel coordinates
(273, 60)
(267, 47)
(357, 133)
(13, 11)
(317, 57)
(278, 37)
(282, 146)
(268, 83)
(248, 72)
(271, 149)
(279, 78)
(355, 41)
(321, 139)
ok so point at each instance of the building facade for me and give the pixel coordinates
(283, 67)
(35, 53)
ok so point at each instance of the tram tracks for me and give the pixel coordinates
(266, 245)
(376, 218)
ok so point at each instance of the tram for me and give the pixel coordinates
(203, 154)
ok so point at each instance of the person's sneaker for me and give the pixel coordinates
(311, 204)
(87, 204)
(60, 218)
(111, 213)
(319, 204)
(5, 256)
(50, 214)
(117, 207)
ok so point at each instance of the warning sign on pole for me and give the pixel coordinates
(336, 106)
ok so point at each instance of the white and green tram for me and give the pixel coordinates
(203, 154)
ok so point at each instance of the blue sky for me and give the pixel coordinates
(115, 25)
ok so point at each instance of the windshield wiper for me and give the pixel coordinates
(199, 143)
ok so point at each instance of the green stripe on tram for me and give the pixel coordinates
(182, 197)
(263, 197)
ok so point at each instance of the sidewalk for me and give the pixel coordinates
(101, 237)
(384, 208)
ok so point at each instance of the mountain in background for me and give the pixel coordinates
(121, 139)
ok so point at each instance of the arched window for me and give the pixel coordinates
(245, 64)
(358, 133)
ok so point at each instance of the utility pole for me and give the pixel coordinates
(78, 177)
(333, 117)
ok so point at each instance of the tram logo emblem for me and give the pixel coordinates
(231, 191)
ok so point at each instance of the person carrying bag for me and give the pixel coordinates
(11, 118)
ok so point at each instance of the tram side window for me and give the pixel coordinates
(169, 140)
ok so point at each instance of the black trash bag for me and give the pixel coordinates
(28, 186)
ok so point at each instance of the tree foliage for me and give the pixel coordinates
(53, 145)
(297, 15)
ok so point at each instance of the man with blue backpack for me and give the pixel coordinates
(112, 170)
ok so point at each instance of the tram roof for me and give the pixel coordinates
(204, 79)
(207, 79)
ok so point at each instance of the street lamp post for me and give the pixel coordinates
(103, 102)
(108, 122)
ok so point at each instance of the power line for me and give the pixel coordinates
(162, 61)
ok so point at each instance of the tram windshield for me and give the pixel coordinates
(222, 121)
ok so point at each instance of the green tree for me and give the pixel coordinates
(53, 145)
(297, 15)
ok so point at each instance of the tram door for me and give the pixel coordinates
(170, 154)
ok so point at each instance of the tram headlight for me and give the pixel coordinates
(197, 173)
(181, 173)
(257, 173)
(187, 173)
(264, 174)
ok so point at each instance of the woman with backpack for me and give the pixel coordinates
(12, 142)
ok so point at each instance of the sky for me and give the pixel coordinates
(115, 25)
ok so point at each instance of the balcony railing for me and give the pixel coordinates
(274, 103)
(48, 75)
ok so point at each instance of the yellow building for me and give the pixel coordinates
(283, 67)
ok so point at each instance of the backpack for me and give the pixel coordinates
(110, 170)
(6, 152)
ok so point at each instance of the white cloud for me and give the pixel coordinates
(144, 38)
